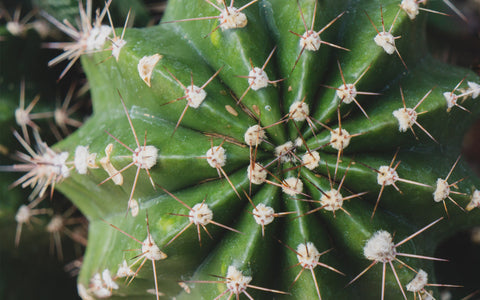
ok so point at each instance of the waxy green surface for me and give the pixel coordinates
(192, 47)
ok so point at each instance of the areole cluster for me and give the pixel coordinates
(310, 172)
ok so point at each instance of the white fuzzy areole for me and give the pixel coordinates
(451, 99)
(99, 288)
(386, 41)
(60, 116)
(84, 160)
(48, 165)
(96, 281)
(59, 164)
(347, 92)
(310, 40)
(442, 190)
(231, 18)
(386, 176)
(380, 247)
(195, 96)
(200, 214)
(257, 79)
(108, 280)
(339, 140)
(311, 160)
(299, 111)
(411, 7)
(475, 202)
(254, 135)
(97, 37)
(236, 282)
(15, 28)
(24, 213)
(55, 224)
(124, 270)
(133, 206)
(298, 142)
(117, 46)
(283, 150)
(474, 88)
(216, 157)
(145, 157)
(332, 200)
(308, 255)
(22, 117)
(151, 251)
(81, 159)
(292, 186)
(418, 283)
(256, 173)
(406, 118)
(145, 67)
(263, 214)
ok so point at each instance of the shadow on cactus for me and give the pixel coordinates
(267, 149)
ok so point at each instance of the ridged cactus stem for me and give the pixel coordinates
(223, 147)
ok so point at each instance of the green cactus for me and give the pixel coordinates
(183, 141)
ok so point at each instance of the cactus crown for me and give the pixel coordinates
(228, 115)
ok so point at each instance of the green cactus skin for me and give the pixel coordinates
(194, 47)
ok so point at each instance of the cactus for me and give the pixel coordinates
(224, 142)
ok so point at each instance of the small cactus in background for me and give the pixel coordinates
(236, 117)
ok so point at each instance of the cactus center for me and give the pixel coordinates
(284, 152)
